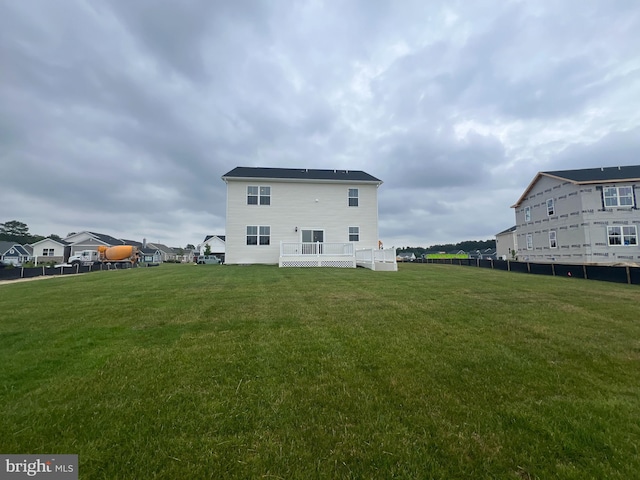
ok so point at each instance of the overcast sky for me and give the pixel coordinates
(121, 116)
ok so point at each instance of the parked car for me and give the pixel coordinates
(208, 260)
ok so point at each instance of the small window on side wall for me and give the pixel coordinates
(527, 214)
(353, 197)
(551, 208)
(553, 243)
(354, 234)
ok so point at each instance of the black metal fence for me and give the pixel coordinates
(605, 273)
(15, 273)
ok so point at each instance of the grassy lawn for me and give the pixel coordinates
(434, 371)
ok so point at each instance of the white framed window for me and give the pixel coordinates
(258, 235)
(265, 195)
(529, 241)
(252, 234)
(354, 234)
(258, 195)
(47, 252)
(252, 195)
(353, 197)
(625, 235)
(527, 214)
(618, 196)
(551, 208)
(553, 242)
(265, 235)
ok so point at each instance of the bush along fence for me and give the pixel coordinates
(606, 273)
(16, 273)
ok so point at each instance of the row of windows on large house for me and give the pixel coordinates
(261, 235)
(617, 235)
(261, 195)
(612, 197)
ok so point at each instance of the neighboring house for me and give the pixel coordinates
(150, 254)
(49, 250)
(12, 253)
(406, 257)
(90, 241)
(216, 244)
(580, 216)
(300, 217)
(166, 253)
(507, 244)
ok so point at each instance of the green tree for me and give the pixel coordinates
(207, 249)
(14, 228)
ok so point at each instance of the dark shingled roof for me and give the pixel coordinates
(598, 174)
(301, 174)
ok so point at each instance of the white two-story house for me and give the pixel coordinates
(300, 217)
(580, 216)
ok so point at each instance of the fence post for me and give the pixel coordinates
(553, 270)
(628, 275)
(508, 266)
(21, 272)
(528, 267)
(584, 270)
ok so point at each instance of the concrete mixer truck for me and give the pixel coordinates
(119, 254)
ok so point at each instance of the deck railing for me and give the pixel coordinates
(388, 255)
(288, 249)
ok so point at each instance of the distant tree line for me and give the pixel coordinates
(15, 231)
(467, 246)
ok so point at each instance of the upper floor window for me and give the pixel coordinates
(553, 242)
(622, 235)
(529, 241)
(258, 195)
(551, 208)
(354, 234)
(618, 196)
(527, 214)
(353, 197)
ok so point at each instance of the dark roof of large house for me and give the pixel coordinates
(301, 174)
(587, 176)
(604, 174)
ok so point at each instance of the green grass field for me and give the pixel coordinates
(434, 371)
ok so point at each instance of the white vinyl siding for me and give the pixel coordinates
(297, 205)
